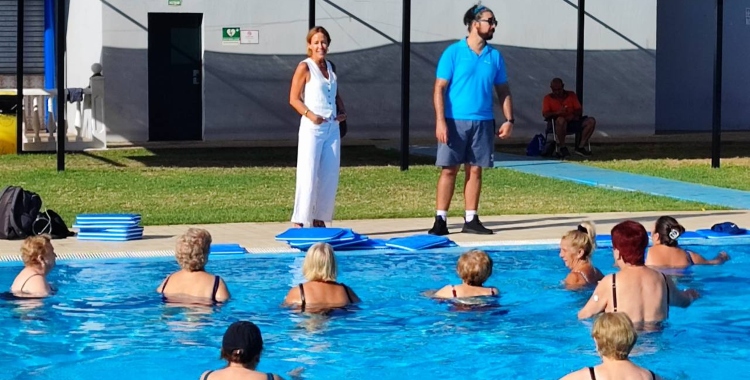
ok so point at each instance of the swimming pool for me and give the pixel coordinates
(106, 321)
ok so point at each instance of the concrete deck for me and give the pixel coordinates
(259, 237)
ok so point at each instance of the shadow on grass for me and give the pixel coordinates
(679, 150)
(267, 157)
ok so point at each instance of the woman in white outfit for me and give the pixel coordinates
(314, 95)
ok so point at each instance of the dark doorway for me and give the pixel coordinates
(175, 77)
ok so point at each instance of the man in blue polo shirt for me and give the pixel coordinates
(467, 73)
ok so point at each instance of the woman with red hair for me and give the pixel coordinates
(640, 292)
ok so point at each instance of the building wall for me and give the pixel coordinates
(246, 86)
(685, 66)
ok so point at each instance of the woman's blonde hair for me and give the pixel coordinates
(320, 263)
(32, 248)
(315, 30)
(474, 267)
(583, 238)
(615, 335)
(192, 249)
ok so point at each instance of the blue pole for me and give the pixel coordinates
(49, 51)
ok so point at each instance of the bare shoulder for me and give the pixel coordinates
(581, 374)
(302, 67)
(292, 296)
(444, 292)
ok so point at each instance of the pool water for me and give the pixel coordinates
(106, 321)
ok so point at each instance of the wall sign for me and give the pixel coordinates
(249, 37)
(230, 36)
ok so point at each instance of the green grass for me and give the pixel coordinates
(683, 161)
(179, 186)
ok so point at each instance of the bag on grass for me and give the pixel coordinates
(51, 223)
(536, 145)
(18, 210)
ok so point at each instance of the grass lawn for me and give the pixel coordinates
(180, 186)
(683, 161)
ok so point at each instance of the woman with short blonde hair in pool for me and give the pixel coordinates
(615, 336)
(474, 268)
(666, 253)
(192, 283)
(38, 257)
(321, 292)
(576, 248)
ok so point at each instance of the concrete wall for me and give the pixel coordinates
(246, 86)
(685, 66)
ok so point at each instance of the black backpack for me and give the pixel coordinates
(51, 223)
(19, 209)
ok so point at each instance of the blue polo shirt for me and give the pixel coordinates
(471, 80)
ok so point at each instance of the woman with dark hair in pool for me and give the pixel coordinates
(642, 293)
(241, 348)
(614, 336)
(576, 248)
(38, 257)
(666, 253)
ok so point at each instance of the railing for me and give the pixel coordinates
(85, 127)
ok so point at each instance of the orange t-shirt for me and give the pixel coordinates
(550, 104)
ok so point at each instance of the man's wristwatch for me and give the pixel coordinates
(512, 121)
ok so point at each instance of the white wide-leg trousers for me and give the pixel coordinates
(318, 161)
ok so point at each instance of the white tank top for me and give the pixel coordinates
(320, 93)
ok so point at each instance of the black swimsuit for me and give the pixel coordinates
(302, 295)
(213, 294)
(453, 289)
(593, 376)
(614, 292)
(269, 376)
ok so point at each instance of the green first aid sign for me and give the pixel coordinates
(230, 36)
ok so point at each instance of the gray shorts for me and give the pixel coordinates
(469, 142)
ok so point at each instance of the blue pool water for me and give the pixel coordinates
(107, 322)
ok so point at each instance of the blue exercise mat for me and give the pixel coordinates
(108, 219)
(81, 235)
(364, 245)
(714, 235)
(311, 234)
(102, 226)
(418, 242)
(117, 230)
(110, 238)
(227, 249)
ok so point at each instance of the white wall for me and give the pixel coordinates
(282, 25)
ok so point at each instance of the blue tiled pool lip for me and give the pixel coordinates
(499, 245)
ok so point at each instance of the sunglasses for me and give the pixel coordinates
(490, 21)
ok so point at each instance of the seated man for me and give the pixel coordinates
(564, 107)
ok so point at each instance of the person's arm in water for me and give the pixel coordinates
(598, 301)
(721, 258)
(680, 298)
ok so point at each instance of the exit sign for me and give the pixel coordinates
(174, 2)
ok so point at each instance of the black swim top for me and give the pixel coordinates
(593, 376)
(453, 289)
(213, 294)
(614, 292)
(269, 376)
(302, 295)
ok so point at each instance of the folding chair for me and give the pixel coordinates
(551, 130)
